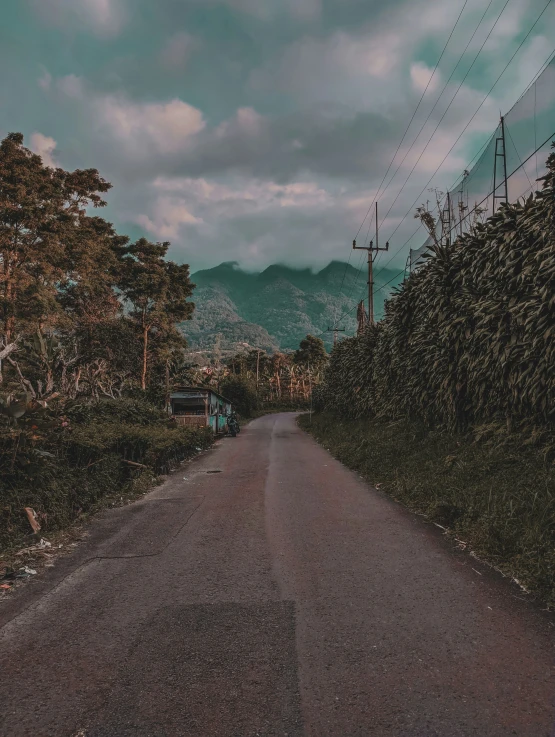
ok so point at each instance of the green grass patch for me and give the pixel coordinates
(494, 490)
(77, 459)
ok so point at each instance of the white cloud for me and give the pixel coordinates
(509, 26)
(177, 50)
(142, 128)
(44, 146)
(71, 86)
(269, 9)
(193, 211)
(362, 71)
(242, 195)
(164, 126)
(45, 79)
(104, 18)
(168, 215)
(421, 75)
(183, 209)
(246, 121)
(258, 185)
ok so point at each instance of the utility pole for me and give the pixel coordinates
(446, 221)
(258, 352)
(362, 318)
(462, 206)
(335, 331)
(372, 253)
(500, 143)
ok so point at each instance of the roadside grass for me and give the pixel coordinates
(68, 467)
(492, 489)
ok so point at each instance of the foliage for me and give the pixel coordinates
(64, 460)
(241, 393)
(84, 316)
(282, 379)
(157, 292)
(470, 336)
(311, 353)
(44, 233)
(493, 489)
(128, 411)
(64, 274)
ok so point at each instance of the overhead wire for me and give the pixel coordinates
(522, 164)
(473, 116)
(455, 143)
(413, 115)
(449, 107)
(401, 143)
(468, 124)
(518, 154)
(461, 57)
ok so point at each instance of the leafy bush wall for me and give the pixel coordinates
(470, 336)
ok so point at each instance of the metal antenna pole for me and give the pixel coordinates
(505, 159)
(500, 143)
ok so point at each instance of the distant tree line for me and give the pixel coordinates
(265, 381)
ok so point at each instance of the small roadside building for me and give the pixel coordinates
(200, 407)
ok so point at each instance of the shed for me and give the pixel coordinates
(200, 407)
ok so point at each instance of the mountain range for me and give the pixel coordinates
(275, 308)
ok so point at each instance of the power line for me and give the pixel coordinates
(446, 85)
(449, 106)
(517, 153)
(471, 119)
(401, 143)
(455, 143)
(521, 166)
(413, 116)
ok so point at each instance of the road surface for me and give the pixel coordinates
(265, 590)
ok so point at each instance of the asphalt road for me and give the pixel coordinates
(265, 590)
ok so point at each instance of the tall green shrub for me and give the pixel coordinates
(470, 336)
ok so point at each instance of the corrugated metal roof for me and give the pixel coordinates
(201, 390)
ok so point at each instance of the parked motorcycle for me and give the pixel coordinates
(233, 425)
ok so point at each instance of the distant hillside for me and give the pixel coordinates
(276, 308)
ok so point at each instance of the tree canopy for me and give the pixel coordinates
(82, 310)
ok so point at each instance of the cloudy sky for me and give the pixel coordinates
(260, 130)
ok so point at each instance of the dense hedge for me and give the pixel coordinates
(470, 337)
(63, 461)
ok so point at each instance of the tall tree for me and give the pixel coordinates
(311, 353)
(41, 211)
(156, 291)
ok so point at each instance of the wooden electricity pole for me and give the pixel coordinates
(372, 253)
(258, 352)
(335, 331)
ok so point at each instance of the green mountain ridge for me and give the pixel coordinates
(275, 308)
